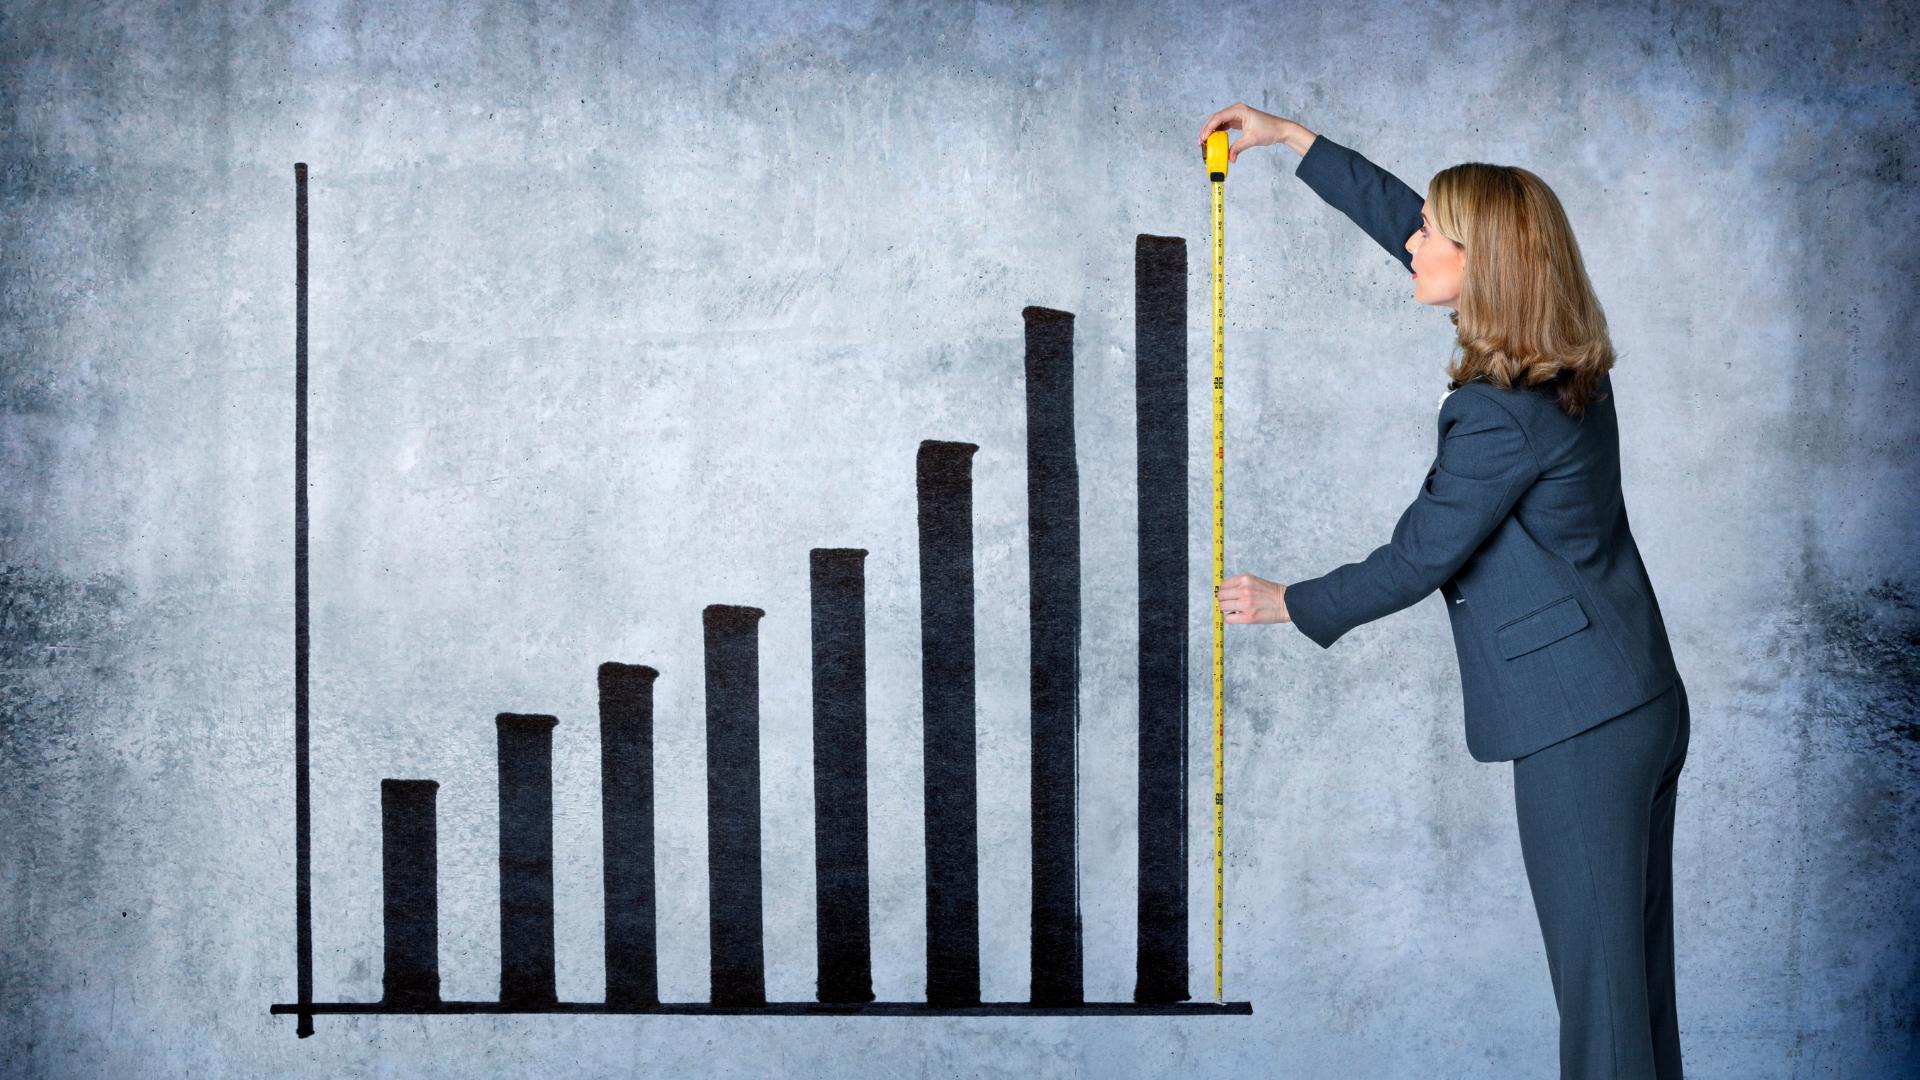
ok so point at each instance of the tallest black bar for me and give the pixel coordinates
(1160, 402)
(1053, 568)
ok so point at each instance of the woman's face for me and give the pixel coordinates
(1437, 263)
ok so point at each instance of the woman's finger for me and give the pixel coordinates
(1227, 117)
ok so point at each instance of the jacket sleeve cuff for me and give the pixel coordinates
(1315, 164)
(1304, 609)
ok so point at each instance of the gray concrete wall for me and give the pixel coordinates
(618, 311)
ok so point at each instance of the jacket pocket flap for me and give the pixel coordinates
(1543, 627)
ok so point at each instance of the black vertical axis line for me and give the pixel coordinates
(735, 932)
(626, 813)
(302, 643)
(526, 859)
(843, 938)
(1160, 409)
(1053, 568)
(409, 893)
(944, 482)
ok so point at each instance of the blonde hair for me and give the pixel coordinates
(1527, 314)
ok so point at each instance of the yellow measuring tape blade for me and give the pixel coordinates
(1217, 174)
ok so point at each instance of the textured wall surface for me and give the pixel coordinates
(617, 311)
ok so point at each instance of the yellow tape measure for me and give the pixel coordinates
(1217, 174)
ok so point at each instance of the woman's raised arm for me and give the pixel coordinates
(1377, 201)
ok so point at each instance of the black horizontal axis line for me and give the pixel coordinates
(784, 1008)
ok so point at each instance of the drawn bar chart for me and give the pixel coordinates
(943, 480)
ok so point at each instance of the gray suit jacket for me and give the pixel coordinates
(1521, 526)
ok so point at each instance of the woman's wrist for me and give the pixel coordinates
(1297, 138)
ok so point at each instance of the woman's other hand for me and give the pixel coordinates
(1248, 599)
(1256, 129)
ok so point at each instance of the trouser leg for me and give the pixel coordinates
(1659, 932)
(1586, 809)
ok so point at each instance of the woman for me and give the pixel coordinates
(1565, 667)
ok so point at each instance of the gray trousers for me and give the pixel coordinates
(1596, 832)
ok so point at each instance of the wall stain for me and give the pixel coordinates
(1863, 675)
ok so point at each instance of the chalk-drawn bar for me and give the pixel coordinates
(1053, 574)
(945, 489)
(410, 899)
(526, 858)
(843, 941)
(737, 975)
(626, 814)
(1160, 410)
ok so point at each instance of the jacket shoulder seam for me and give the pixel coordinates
(1487, 395)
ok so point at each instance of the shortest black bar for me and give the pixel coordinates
(409, 853)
